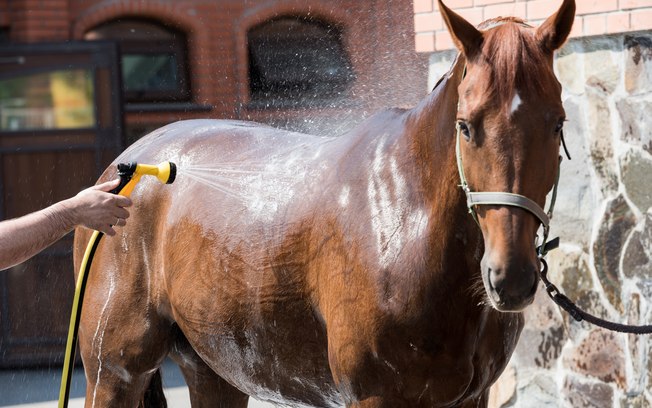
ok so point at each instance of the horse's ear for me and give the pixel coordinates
(553, 32)
(467, 38)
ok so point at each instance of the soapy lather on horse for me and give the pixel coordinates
(328, 272)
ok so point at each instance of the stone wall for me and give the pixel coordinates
(604, 218)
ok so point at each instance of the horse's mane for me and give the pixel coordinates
(512, 52)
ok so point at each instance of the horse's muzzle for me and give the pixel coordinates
(510, 286)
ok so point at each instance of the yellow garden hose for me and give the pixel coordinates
(130, 174)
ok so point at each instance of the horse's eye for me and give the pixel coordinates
(560, 125)
(464, 128)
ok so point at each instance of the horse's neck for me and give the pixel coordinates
(431, 134)
(436, 114)
(432, 128)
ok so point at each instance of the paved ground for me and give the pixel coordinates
(39, 388)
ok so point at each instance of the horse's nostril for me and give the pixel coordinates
(516, 282)
(496, 279)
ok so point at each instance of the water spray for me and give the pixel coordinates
(130, 174)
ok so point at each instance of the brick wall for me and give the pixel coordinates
(594, 17)
(36, 20)
(377, 35)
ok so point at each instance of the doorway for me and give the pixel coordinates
(60, 126)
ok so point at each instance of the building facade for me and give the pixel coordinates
(211, 61)
(604, 206)
(318, 66)
(210, 40)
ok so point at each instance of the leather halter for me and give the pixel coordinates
(509, 199)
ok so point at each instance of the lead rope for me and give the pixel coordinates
(562, 300)
(578, 314)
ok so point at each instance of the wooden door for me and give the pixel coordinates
(60, 126)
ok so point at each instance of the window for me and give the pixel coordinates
(60, 99)
(4, 35)
(153, 60)
(295, 60)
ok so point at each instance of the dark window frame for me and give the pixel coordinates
(300, 90)
(5, 35)
(175, 44)
(159, 47)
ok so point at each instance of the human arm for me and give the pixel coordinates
(95, 208)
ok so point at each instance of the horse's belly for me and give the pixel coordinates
(273, 352)
(266, 367)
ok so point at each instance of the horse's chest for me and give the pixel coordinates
(432, 368)
(470, 363)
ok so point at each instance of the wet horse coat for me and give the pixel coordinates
(325, 272)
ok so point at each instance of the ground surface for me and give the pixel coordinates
(39, 388)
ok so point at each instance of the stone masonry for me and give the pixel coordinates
(604, 218)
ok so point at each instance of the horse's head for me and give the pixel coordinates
(509, 119)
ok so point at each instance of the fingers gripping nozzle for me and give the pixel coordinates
(165, 172)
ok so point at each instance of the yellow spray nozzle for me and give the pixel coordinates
(130, 173)
(165, 171)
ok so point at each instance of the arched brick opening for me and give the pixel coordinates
(260, 15)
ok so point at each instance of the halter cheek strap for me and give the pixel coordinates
(510, 199)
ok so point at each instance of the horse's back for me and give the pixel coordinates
(216, 143)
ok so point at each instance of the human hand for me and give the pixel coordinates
(100, 210)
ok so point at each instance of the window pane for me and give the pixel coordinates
(292, 58)
(154, 66)
(149, 72)
(51, 100)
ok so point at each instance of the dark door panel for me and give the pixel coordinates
(60, 126)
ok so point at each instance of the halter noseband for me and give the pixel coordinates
(510, 199)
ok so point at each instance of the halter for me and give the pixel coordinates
(509, 199)
(517, 200)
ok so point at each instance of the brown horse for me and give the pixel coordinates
(329, 272)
